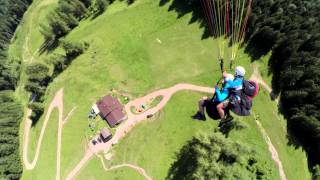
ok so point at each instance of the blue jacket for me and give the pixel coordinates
(236, 84)
(236, 87)
(221, 95)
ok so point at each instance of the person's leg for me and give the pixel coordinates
(220, 110)
(201, 104)
(200, 113)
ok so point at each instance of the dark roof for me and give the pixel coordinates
(105, 133)
(111, 110)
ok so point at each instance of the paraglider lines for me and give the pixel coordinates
(227, 20)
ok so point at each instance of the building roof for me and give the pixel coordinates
(111, 110)
(105, 133)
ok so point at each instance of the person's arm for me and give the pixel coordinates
(218, 92)
(234, 84)
(220, 96)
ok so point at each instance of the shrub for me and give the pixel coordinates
(58, 62)
(316, 173)
(34, 87)
(37, 71)
(212, 156)
(37, 110)
(74, 49)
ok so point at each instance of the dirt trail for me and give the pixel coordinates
(57, 102)
(272, 150)
(167, 93)
(133, 120)
(257, 77)
(137, 168)
(124, 128)
(27, 55)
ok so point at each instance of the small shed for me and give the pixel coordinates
(111, 110)
(105, 134)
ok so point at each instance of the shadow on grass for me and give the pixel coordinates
(311, 146)
(101, 10)
(186, 162)
(49, 46)
(256, 50)
(183, 7)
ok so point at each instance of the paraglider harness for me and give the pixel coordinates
(243, 105)
(240, 107)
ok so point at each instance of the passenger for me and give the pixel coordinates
(220, 95)
(235, 88)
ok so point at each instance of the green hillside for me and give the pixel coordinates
(140, 48)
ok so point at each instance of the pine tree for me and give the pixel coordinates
(212, 156)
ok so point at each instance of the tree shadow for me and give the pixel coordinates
(256, 49)
(297, 142)
(296, 139)
(185, 162)
(48, 46)
(310, 146)
(183, 7)
(98, 12)
(226, 128)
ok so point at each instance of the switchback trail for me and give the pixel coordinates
(57, 102)
(122, 130)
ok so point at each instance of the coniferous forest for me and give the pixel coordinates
(290, 29)
(11, 112)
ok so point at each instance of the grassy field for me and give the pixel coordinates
(138, 49)
(153, 144)
(293, 159)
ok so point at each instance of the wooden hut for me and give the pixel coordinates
(111, 110)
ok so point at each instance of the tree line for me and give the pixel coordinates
(40, 74)
(11, 111)
(62, 20)
(291, 30)
(67, 15)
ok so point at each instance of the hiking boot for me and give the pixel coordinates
(199, 116)
(229, 117)
(224, 120)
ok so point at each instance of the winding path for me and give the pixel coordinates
(133, 120)
(124, 128)
(274, 154)
(138, 169)
(57, 102)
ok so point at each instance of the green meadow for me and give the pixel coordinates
(141, 48)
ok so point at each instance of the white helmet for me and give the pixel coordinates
(240, 71)
(229, 77)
